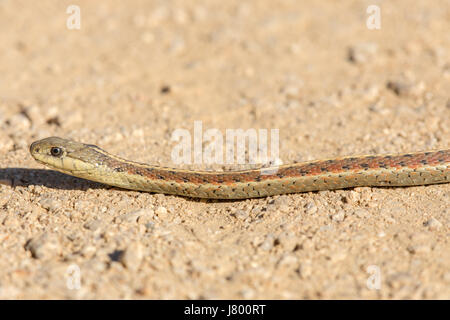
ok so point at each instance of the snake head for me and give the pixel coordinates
(65, 155)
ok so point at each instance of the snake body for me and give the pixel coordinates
(93, 163)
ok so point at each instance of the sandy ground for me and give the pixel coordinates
(135, 72)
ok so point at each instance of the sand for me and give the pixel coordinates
(136, 72)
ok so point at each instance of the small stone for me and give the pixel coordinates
(305, 270)
(288, 260)
(419, 249)
(311, 208)
(268, 243)
(433, 224)
(247, 293)
(241, 214)
(92, 225)
(161, 212)
(19, 121)
(404, 89)
(44, 246)
(398, 280)
(132, 256)
(50, 204)
(283, 208)
(141, 216)
(361, 53)
(337, 256)
(291, 92)
(361, 213)
(339, 216)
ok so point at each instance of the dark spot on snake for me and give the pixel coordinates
(364, 165)
(423, 161)
(346, 167)
(324, 169)
(118, 169)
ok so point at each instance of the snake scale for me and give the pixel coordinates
(93, 163)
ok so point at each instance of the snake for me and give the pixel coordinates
(90, 162)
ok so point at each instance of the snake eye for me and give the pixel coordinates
(56, 151)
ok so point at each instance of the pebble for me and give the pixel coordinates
(92, 225)
(311, 208)
(361, 213)
(141, 216)
(44, 246)
(361, 53)
(291, 92)
(398, 280)
(161, 212)
(419, 249)
(131, 257)
(50, 204)
(337, 256)
(339, 216)
(241, 214)
(404, 89)
(268, 243)
(288, 260)
(433, 224)
(19, 122)
(247, 293)
(305, 270)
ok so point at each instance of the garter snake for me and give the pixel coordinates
(93, 163)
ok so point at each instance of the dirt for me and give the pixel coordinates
(135, 72)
